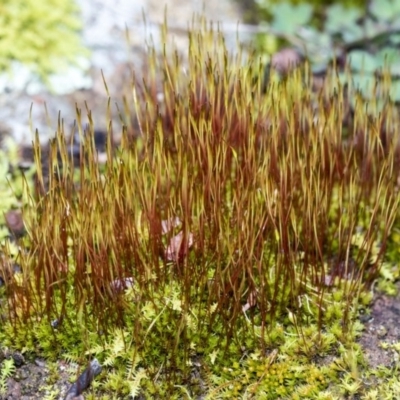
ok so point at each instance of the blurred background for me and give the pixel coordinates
(53, 52)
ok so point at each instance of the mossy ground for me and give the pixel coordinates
(227, 248)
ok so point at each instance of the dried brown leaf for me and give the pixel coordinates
(118, 285)
(251, 300)
(177, 248)
(169, 224)
(285, 60)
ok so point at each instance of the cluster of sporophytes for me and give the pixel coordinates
(227, 244)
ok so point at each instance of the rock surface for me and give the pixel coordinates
(104, 33)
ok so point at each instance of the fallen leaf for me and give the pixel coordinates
(177, 249)
(169, 224)
(251, 300)
(286, 60)
(119, 285)
(15, 222)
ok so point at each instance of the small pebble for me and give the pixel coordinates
(381, 331)
(19, 359)
(40, 363)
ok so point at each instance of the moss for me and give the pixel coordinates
(225, 250)
(41, 35)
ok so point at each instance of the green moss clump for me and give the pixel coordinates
(41, 35)
(248, 228)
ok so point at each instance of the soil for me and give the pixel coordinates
(382, 327)
(34, 379)
(104, 34)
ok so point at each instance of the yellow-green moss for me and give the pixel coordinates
(269, 200)
(43, 35)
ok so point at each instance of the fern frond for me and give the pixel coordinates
(7, 368)
(134, 384)
(71, 357)
(109, 361)
(118, 344)
(95, 350)
(131, 367)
